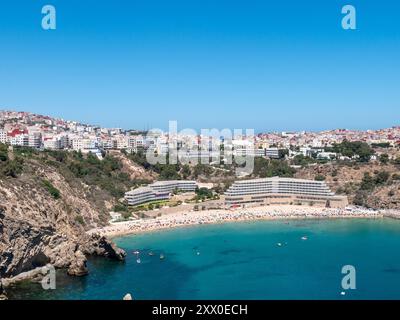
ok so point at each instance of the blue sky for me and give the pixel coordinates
(267, 65)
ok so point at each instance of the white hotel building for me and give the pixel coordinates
(282, 191)
(159, 190)
(170, 186)
(143, 195)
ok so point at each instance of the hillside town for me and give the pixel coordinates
(44, 132)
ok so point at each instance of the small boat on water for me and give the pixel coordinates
(279, 244)
(136, 252)
(151, 253)
(304, 238)
(138, 260)
(162, 257)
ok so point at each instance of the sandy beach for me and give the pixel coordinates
(185, 218)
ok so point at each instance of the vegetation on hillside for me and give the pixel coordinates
(381, 145)
(301, 160)
(351, 149)
(106, 174)
(9, 167)
(204, 194)
(54, 192)
(269, 168)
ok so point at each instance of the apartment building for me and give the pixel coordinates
(51, 144)
(170, 186)
(272, 153)
(35, 140)
(107, 144)
(3, 136)
(250, 152)
(56, 142)
(159, 190)
(135, 143)
(18, 140)
(143, 195)
(119, 142)
(282, 191)
(85, 144)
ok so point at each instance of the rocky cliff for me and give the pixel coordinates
(48, 204)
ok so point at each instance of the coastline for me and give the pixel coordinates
(217, 216)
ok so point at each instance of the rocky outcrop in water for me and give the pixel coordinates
(77, 267)
(25, 247)
(30, 248)
(100, 246)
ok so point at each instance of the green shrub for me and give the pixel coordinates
(126, 215)
(80, 220)
(54, 192)
(12, 168)
(3, 152)
(120, 207)
(382, 177)
(384, 158)
(367, 182)
(319, 177)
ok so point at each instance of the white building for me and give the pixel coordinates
(159, 190)
(278, 190)
(306, 151)
(143, 195)
(272, 153)
(3, 136)
(171, 185)
(326, 155)
(19, 140)
(35, 140)
(51, 144)
(85, 144)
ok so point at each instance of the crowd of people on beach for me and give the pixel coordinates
(185, 218)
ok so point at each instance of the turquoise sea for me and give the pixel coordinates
(243, 261)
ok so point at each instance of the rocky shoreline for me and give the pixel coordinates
(69, 256)
(28, 248)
